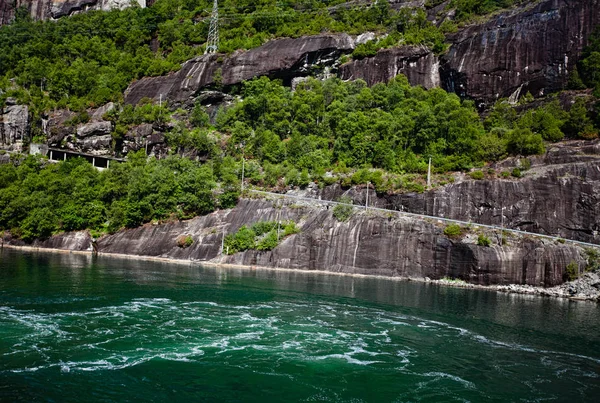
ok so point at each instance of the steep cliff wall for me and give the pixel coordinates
(14, 124)
(281, 58)
(51, 9)
(367, 244)
(533, 48)
(558, 196)
(418, 64)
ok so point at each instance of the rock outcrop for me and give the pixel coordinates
(280, 58)
(52, 9)
(531, 48)
(558, 196)
(14, 125)
(366, 244)
(417, 63)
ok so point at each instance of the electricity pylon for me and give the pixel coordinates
(213, 31)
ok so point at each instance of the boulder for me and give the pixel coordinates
(94, 129)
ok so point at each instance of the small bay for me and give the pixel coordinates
(98, 329)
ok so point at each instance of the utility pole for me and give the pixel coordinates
(243, 163)
(212, 44)
(429, 175)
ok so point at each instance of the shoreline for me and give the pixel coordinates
(553, 292)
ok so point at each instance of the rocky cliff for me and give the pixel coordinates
(367, 244)
(14, 125)
(528, 49)
(532, 48)
(418, 64)
(558, 196)
(281, 58)
(52, 9)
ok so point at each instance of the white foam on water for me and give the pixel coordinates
(348, 357)
(442, 375)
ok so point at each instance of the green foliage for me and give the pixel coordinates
(516, 172)
(263, 235)
(37, 200)
(90, 58)
(268, 242)
(477, 175)
(467, 9)
(483, 240)
(579, 124)
(242, 240)
(593, 259)
(453, 231)
(572, 271)
(290, 228)
(342, 212)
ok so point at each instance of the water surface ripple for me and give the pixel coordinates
(115, 330)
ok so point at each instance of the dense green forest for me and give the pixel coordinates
(38, 199)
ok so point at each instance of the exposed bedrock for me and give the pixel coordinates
(14, 125)
(281, 58)
(527, 49)
(417, 63)
(559, 196)
(51, 9)
(366, 244)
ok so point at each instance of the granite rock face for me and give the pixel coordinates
(528, 49)
(558, 196)
(418, 64)
(14, 124)
(367, 244)
(52, 9)
(280, 58)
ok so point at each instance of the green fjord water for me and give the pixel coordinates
(75, 328)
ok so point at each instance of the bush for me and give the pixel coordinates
(343, 212)
(290, 228)
(516, 172)
(572, 271)
(505, 174)
(477, 175)
(483, 240)
(453, 231)
(269, 242)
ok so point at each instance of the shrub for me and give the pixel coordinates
(593, 259)
(483, 240)
(477, 175)
(290, 228)
(516, 172)
(343, 212)
(525, 164)
(262, 227)
(269, 242)
(185, 241)
(572, 271)
(453, 231)
(505, 174)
